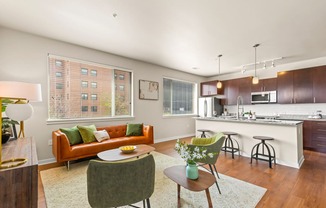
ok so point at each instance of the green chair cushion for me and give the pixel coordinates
(134, 130)
(87, 133)
(72, 134)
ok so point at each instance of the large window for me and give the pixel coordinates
(179, 97)
(76, 99)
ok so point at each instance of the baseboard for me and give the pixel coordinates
(172, 138)
(47, 161)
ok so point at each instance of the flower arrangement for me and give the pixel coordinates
(190, 154)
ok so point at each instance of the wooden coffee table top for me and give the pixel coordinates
(178, 175)
(116, 154)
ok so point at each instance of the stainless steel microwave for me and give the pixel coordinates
(263, 97)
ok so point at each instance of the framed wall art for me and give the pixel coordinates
(148, 90)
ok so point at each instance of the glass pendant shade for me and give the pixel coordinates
(255, 80)
(219, 85)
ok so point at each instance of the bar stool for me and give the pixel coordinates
(229, 143)
(262, 155)
(203, 135)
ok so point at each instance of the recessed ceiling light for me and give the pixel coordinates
(194, 68)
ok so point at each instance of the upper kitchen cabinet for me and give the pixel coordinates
(319, 84)
(208, 88)
(295, 86)
(235, 87)
(265, 85)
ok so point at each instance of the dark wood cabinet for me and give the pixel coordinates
(235, 87)
(19, 184)
(314, 135)
(265, 85)
(319, 84)
(307, 134)
(209, 88)
(295, 86)
(302, 86)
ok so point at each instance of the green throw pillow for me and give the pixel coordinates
(72, 134)
(87, 133)
(134, 130)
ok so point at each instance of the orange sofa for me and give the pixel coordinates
(64, 152)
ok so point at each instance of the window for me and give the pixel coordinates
(84, 84)
(179, 97)
(94, 96)
(93, 72)
(121, 76)
(71, 102)
(94, 108)
(84, 71)
(94, 84)
(58, 63)
(121, 87)
(58, 86)
(58, 74)
(84, 96)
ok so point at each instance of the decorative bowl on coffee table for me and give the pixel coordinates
(127, 149)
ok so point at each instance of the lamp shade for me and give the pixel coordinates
(23, 90)
(219, 85)
(255, 80)
(19, 112)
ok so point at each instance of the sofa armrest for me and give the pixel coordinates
(148, 131)
(59, 143)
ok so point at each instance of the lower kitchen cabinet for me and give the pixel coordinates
(314, 135)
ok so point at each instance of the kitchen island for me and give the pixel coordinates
(287, 136)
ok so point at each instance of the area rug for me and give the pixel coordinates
(68, 188)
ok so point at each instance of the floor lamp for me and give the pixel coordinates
(21, 93)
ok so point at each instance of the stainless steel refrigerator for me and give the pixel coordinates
(209, 107)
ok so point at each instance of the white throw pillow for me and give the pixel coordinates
(101, 135)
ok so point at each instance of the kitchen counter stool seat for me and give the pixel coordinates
(203, 135)
(263, 146)
(229, 143)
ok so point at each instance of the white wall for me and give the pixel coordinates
(23, 57)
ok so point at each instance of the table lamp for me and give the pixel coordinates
(21, 110)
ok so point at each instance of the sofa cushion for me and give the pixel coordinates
(134, 130)
(72, 134)
(87, 133)
(101, 135)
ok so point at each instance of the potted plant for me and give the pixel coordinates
(6, 123)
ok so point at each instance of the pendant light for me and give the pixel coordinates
(255, 79)
(219, 83)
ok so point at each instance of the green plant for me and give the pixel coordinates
(190, 154)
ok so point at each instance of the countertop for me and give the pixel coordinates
(256, 121)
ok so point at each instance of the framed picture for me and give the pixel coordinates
(148, 90)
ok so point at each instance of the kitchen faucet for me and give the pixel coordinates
(239, 102)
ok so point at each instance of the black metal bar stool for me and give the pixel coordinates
(203, 135)
(229, 143)
(261, 155)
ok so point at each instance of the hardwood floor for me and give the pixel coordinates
(286, 187)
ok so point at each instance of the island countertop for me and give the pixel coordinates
(253, 121)
(287, 136)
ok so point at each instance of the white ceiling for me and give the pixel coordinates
(180, 34)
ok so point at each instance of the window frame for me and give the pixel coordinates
(195, 99)
(54, 121)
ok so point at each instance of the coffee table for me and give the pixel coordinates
(204, 181)
(116, 154)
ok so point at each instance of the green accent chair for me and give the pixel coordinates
(114, 184)
(213, 145)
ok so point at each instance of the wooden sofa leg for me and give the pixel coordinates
(68, 165)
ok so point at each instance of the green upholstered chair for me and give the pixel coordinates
(212, 144)
(114, 184)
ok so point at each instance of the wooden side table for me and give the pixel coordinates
(204, 181)
(19, 184)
